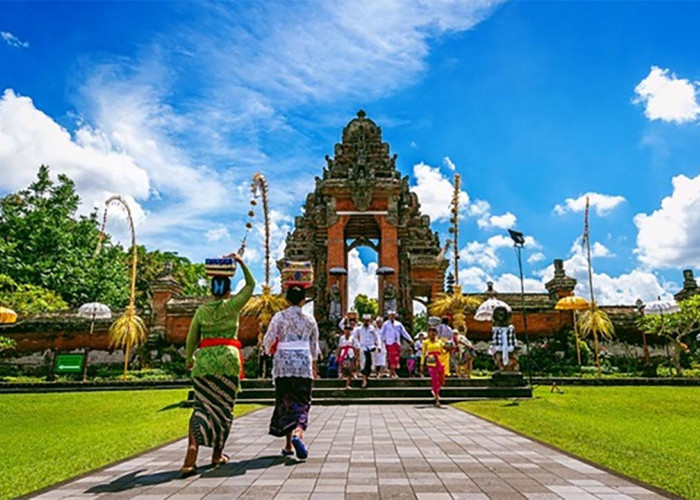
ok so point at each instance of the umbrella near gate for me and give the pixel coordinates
(385, 271)
(661, 307)
(485, 311)
(7, 316)
(574, 304)
(92, 311)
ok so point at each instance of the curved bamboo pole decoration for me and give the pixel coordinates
(128, 330)
(454, 230)
(267, 304)
(260, 189)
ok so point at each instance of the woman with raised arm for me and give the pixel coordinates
(214, 356)
(293, 337)
(432, 354)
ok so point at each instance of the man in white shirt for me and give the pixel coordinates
(391, 333)
(368, 339)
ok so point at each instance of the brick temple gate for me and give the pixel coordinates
(362, 200)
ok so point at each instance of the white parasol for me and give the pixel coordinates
(485, 311)
(95, 310)
(661, 307)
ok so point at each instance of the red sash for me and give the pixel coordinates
(232, 342)
(344, 353)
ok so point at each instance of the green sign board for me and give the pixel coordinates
(69, 363)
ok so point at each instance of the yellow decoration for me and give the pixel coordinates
(455, 305)
(7, 316)
(574, 304)
(129, 331)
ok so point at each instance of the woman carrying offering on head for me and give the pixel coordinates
(295, 336)
(432, 355)
(217, 367)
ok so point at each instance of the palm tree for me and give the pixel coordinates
(128, 331)
(593, 321)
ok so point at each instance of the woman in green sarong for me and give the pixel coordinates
(217, 367)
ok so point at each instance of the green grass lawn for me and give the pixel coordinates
(47, 438)
(650, 433)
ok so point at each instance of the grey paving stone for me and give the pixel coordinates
(387, 452)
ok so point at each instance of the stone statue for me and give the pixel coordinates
(503, 342)
(390, 295)
(335, 311)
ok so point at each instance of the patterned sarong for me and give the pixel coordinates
(292, 405)
(214, 398)
(393, 352)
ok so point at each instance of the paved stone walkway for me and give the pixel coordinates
(365, 452)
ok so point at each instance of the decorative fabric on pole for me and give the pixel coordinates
(95, 310)
(572, 303)
(485, 311)
(7, 316)
(661, 307)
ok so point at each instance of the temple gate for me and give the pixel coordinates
(362, 200)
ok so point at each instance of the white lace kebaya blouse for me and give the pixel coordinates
(296, 335)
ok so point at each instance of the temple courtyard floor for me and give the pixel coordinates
(389, 451)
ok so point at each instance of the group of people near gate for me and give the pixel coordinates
(214, 356)
(373, 348)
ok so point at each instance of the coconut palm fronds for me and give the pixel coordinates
(264, 306)
(597, 323)
(127, 332)
(454, 304)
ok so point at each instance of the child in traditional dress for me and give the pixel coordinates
(418, 346)
(348, 355)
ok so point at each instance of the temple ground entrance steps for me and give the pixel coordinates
(396, 391)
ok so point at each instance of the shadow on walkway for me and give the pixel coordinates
(135, 480)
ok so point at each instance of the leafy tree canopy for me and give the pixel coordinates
(28, 299)
(365, 305)
(45, 243)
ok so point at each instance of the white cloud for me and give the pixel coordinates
(668, 237)
(99, 168)
(485, 254)
(535, 257)
(475, 279)
(603, 204)
(361, 278)
(435, 192)
(12, 40)
(625, 288)
(449, 164)
(667, 97)
(217, 234)
(505, 221)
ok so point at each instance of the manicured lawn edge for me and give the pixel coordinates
(633, 480)
(120, 461)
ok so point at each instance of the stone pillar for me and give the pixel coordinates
(337, 257)
(560, 285)
(164, 288)
(690, 286)
(388, 257)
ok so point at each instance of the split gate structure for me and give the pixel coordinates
(362, 200)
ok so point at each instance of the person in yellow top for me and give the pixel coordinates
(435, 357)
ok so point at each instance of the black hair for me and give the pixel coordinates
(433, 328)
(445, 320)
(295, 295)
(220, 286)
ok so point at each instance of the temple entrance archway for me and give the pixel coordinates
(362, 200)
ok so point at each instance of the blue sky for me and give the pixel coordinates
(176, 105)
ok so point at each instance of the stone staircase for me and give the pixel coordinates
(396, 391)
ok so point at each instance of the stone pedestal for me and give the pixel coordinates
(508, 379)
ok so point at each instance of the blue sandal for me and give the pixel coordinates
(299, 448)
